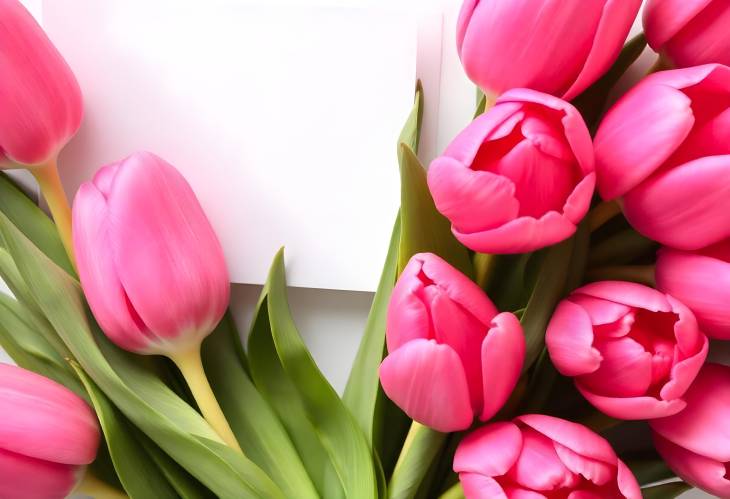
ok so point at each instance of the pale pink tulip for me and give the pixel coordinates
(554, 46)
(665, 148)
(696, 442)
(632, 350)
(40, 100)
(519, 177)
(451, 356)
(701, 280)
(47, 436)
(537, 456)
(689, 32)
(150, 264)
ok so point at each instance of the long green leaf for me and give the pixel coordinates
(665, 490)
(411, 133)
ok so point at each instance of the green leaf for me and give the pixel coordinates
(649, 470)
(147, 402)
(411, 133)
(665, 490)
(420, 450)
(253, 421)
(423, 228)
(621, 249)
(184, 484)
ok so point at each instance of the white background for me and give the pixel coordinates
(331, 322)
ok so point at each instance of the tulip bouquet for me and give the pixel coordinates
(541, 328)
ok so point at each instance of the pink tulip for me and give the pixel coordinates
(47, 436)
(451, 355)
(150, 264)
(701, 280)
(40, 100)
(689, 32)
(696, 442)
(665, 147)
(632, 350)
(519, 177)
(538, 456)
(555, 46)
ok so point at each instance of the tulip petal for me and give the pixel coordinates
(638, 135)
(579, 201)
(601, 312)
(502, 356)
(569, 340)
(481, 487)
(626, 369)
(708, 138)
(23, 477)
(428, 382)
(627, 484)
(489, 451)
(627, 293)
(592, 470)
(703, 39)
(686, 207)
(665, 18)
(408, 318)
(632, 408)
(539, 467)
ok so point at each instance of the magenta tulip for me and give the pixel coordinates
(701, 280)
(665, 147)
(538, 456)
(40, 100)
(150, 264)
(519, 177)
(689, 32)
(554, 46)
(451, 356)
(47, 436)
(696, 442)
(632, 350)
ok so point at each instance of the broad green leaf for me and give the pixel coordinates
(423, 228)
(665, 490)
(255, 424)
(184, 484)
(621, 249)
(411, 133)
(147, 402)
(419, 452)
(649, 470)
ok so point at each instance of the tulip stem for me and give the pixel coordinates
(643, 274)
(602, 213)
(483, 267)
(455, 492)
(191, 366)
(419, 451)
(93, 487)
(50, 183)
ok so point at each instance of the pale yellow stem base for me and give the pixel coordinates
(93, 487)
(52, 190)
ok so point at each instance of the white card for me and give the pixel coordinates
(284, 120)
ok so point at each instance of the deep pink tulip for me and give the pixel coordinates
(150, 264)
(696, 442)
(554, 46)
(40, 100)
(701, 280)
(665, 147)
(47, 436)
(519, 177)
(538, 456)
(451, 356)
(689, 32)
(632, 350)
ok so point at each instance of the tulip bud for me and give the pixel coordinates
(541, 456)
(519, 177)
(665, 148)
(150, 264)
(47, 436)
(40, 100)
(689, 32)
(701, 280)
(451, 356)
(696, 442)
(559, 48)
(632, 350)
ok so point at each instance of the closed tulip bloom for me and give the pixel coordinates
(451, 355)
(47, 436)
(555, 46)
(689, 32)
(39, 96)
(632, 350)
(696, 442)
(536, 456)
(701, 280)
(519, 177)
(665, 148)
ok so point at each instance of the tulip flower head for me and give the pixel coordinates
(40, 99)
(519, 177)
(541, 456)
(451, 354)
(47, 436)
(689, 32)
(665, 149)
(555, 46)
(632, 350)
(696, 442)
